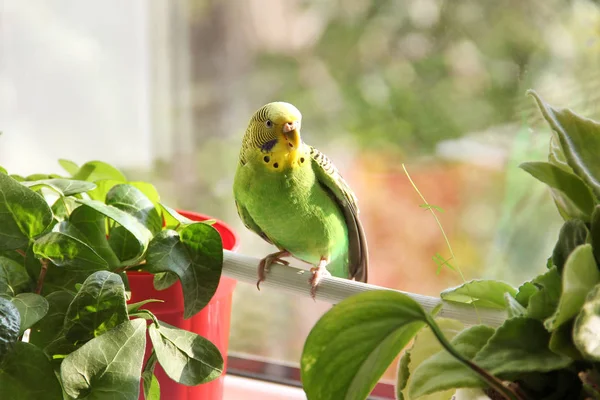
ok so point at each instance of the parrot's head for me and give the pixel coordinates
(274, 129)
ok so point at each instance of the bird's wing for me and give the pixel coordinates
(329, 177)
(249, 222)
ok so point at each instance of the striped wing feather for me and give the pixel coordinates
(329, 177)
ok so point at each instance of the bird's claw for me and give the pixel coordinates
(318, 273)
(265, 264)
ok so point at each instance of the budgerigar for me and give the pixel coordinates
(291, 195)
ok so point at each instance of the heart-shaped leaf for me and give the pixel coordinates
(32, 307)
(195, 255)
(99, 306)
(27, 374)
(186, 357)
(24, 214)
(108, 364)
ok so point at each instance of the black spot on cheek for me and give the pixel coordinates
(301, 159)
(275, 165)
(291, 145)
(267, 159)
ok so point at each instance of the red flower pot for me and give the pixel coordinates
(212, 322)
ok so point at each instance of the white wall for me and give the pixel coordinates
(74, 83)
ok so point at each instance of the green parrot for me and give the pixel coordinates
(292, 196)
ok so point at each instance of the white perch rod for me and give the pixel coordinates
(333, 290)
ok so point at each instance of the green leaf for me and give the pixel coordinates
(173, 219)
(66, 187)
(595, 233)
(424, 346)
(10, 321)
(524, 293)
(556, 155)
(561, 341)
(150, 383)
(579, 139)
(3, 171)
(107, 365)
(572, 234)
(96, 170)
(103, 186)
(50, 328)
(27, 374)
(586, 331)
(13, 277)
(186, 357)
(482, 293)
(353, 344)
(543, 303)
(24, 214)
(89, 226)
(140, 235)
(441, 371)
(67, 251)
(520, 345)
(164, 280)
(98, 307)
(69, 166)
(195, 255)
(131, 200)
(149, 190)
(32, 307)
(580, 275)
(565, 182)
(63, 206)
(133, 307)
(513, 307)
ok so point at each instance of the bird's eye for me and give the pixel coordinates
(269, 123)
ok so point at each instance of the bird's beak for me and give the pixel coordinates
(291, 131)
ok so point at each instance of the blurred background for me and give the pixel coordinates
(164, 89)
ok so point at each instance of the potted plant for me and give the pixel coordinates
(104, 290)
(548, 347)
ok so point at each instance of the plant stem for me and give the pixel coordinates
(21, 252)
(43, 270)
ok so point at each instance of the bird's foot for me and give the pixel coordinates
(265, 264)
(318, 273)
